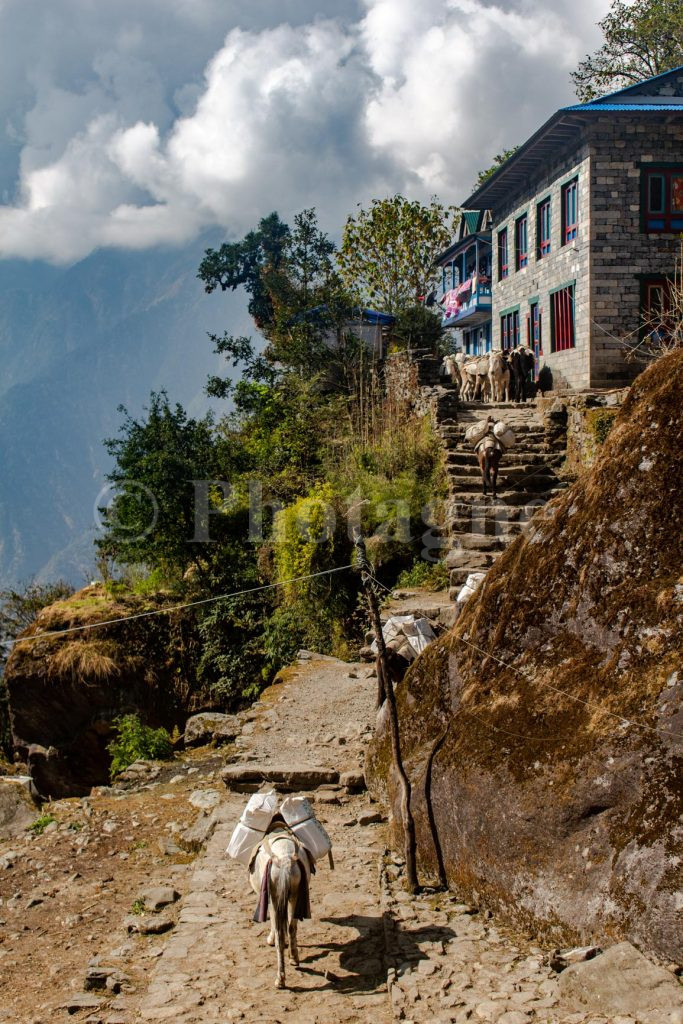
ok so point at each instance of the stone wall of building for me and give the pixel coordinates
(609, 257)
(564, 264)
(620, 250)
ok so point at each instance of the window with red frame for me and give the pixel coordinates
(509, 330)
(562, 333)
(503, 264)
(521, 242)
(663, 199)
(543, 229)
(570, 210)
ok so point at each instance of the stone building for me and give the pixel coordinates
(586, 220)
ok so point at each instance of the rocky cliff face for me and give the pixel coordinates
(547, 727)
(65, 691)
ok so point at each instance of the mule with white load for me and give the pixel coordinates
(280, 848)
(490, 439)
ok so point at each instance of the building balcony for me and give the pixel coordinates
(467, 305)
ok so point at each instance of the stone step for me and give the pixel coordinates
(485, 528)
(458, 576)
(508, 484)
(508, 504)
(478, 406)
(248, 779)
(472, 560)
(524, 435)
(478, 542)
(514, 471)
(465, 458)
(528, 452)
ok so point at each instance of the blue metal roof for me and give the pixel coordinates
(564, 127)
(368, 316)
(372, 316)
(597, 107)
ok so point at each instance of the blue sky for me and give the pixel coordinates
(134, 123)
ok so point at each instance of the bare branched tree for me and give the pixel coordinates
(661, 324)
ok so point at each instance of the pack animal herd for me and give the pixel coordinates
(494, 377)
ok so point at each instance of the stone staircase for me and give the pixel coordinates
(478, 528)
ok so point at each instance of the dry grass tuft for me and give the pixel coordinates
(92, 659)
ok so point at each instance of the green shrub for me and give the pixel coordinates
(433, 575)
(40, 824)
(135, 741)
(603, 421)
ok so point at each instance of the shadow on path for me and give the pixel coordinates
(363, 955)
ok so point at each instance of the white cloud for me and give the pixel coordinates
(326, 112)
(465, 79)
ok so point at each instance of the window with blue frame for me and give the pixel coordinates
(662, 189)
(534, 339)
(521, 242)
(543, 229)
(570, 211)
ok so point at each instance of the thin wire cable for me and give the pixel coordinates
(564, 693)
(174, 608)
(579, 700)
(506, 732)
(389, 590)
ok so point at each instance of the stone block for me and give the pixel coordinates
(249, 778)
(211, 727)
(17, 807)
(622, 981)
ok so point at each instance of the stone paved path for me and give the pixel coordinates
(371, 953)
(216, 965)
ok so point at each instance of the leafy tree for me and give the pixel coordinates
(498, 161)
(295, 294)
(151, 519)
(418, 327)
(642, 39)
(20, 606)
(388, 252)
(244, 263)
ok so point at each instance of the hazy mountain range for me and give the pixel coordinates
(75, 343)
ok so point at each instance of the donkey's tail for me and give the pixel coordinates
(280, 894)
(487, 467)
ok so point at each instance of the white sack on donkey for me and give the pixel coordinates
(252, 826)
(490, 439)
(505, 435)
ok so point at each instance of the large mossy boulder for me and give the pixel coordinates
(67, 688)
(546, 728)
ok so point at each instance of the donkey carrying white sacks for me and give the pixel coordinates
(280, 848)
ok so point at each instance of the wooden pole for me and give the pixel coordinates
(410, 844)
